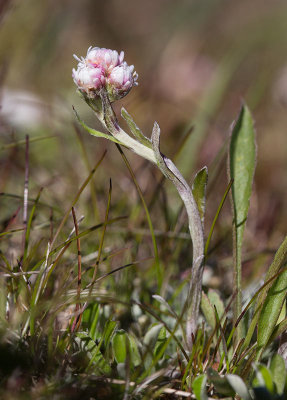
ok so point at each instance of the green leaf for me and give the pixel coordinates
(208, 310)
(239, 386)
(199, 387)
(119, 344)
(93, 352)
(152, 335)
(94, 132)
(271, 310)
(135, 130)
(263, 378)
(216, 301)
(136, 359)
(279, 373)
(162, 301)
(161, 339)
(109, 329)
(221, 383)
(216, 217)
(199, 190)
(242, 158)
(278, 262)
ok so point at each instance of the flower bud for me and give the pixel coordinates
(104, 69)
(121, 80)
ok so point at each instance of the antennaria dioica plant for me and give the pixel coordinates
(103, 77)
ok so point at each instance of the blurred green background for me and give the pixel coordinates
(197, 61)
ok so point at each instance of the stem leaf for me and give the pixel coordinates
(94, 132)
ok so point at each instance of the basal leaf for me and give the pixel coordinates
(119, 344)
(271, 310)
(279, 373)
(263, 378)
(242, 158)
(216, 301)
(239, 386)
(220, 382)
(199, 387)
(208, 310)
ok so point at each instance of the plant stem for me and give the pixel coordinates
(170, 171)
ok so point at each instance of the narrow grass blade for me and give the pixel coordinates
(103, 234)
(21, 142)
(89, 167)
(216, 217)
(242, 158)
(29, 224)
(66, 216)
(157, 261)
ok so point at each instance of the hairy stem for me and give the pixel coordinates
(169, 170)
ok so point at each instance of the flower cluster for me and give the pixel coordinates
(104, 69)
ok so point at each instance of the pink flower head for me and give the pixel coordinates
(121, 80)
(104, 69)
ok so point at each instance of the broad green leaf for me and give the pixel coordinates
(263, 378)
(239, 386)
(242, 158)
(208, 310)
(271, 310)
(119, 343)
(149, 342)
(221, 384)
(135, 130)
(199, 190)
(93, 351)
(152, 335)
(279, 260)
(136, 359)
(199, 387)
(216, 301)
(279, 373)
